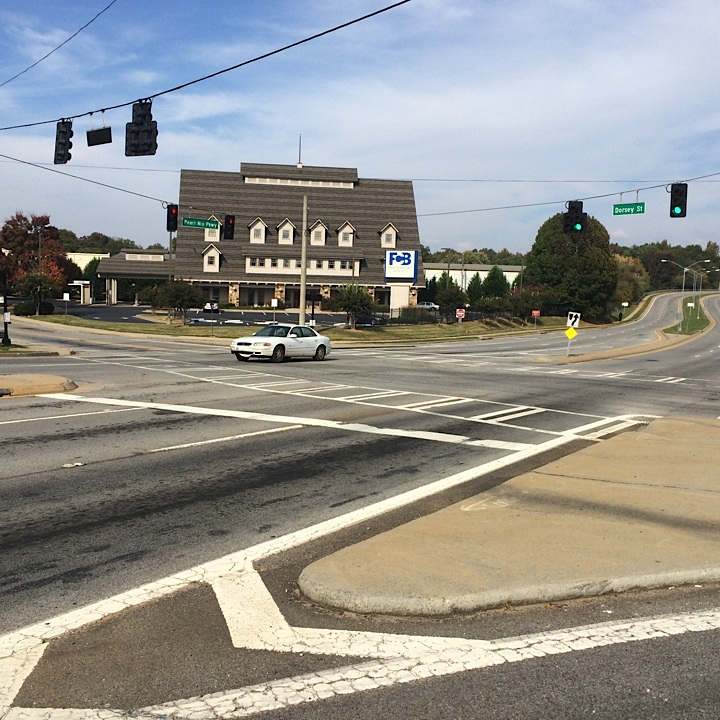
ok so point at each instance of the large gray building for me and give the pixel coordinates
(352, 223)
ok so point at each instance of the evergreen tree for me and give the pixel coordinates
(474, 290)
(495, 284)
(579, 268)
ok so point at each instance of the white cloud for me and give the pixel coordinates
(562, 90)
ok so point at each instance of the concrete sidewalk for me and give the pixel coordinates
(30, 384)
(639, 510)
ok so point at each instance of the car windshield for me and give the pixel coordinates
(273, 331)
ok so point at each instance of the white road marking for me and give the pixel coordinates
(69, 415)
(401, 658)
(226, 439)
(264, 417)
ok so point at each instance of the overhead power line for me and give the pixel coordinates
(557, 202)
(219, 72)
(87, 180)
(45, 57)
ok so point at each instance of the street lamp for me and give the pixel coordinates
(697, 311)
(682, 294)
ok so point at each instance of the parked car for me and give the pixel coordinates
(427, 305)
(280, 341)
(370, 320)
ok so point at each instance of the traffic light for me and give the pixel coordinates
(574, 220)
(229, 227)
(678, 200)
(63, 133)
(172, 218)
(141, 134)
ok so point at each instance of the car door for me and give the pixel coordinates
(312, 340)
(297, 345)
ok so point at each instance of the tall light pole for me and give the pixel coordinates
(681, 319)
(697, 312)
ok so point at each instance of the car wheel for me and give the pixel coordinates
(278, 354)
(320, 353)
(241, 358)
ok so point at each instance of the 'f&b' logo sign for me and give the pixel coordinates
(401, 265)
(400, 258)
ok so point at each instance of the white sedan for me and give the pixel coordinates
(277, 342)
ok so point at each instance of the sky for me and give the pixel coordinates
(499, 111)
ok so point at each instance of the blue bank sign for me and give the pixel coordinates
(401, 265)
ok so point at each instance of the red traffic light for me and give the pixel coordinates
(229, 227)
(172, 218)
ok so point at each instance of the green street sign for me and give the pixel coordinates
(629, 209)
(198, 223)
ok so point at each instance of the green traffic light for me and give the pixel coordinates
(578, 226)
(677, 210)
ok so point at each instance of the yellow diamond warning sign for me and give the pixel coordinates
(570, 333)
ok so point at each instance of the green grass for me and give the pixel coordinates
(694, 319)
(159, 325)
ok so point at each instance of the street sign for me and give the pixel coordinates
(198, 223)
(536, 313)
(460, 313)
(570, 333)
(629, 209)
(573, 320)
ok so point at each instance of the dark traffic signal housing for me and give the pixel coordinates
(141, 134)
(574, 220)
(678, 200)
(229, 227)
(63, 133)
(172, 218)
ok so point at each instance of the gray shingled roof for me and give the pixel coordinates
(369, 206)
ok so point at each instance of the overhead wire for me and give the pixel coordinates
(264, 56)
(45, 57)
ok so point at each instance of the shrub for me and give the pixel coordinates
(24, 309)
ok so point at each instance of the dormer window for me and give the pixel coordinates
(346, 235)
(211, 259)
(212, 234)
(388, 236)
(318, 233)
(258, 231)
(286, 232)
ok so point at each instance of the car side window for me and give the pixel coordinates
(295, 332)
(307, 332)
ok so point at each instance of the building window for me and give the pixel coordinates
(317, 236)
(331, 264)
(286, 263)
(388, 238)
(273, 262)
(253, 262)
(298, 263)
(211, 260)
(257, 233)
(345, 237)
(343, 264)
(261, 262)
(285, 234)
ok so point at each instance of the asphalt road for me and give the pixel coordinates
(178, 455)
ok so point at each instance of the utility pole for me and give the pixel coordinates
(303, 262)
(6, 314)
